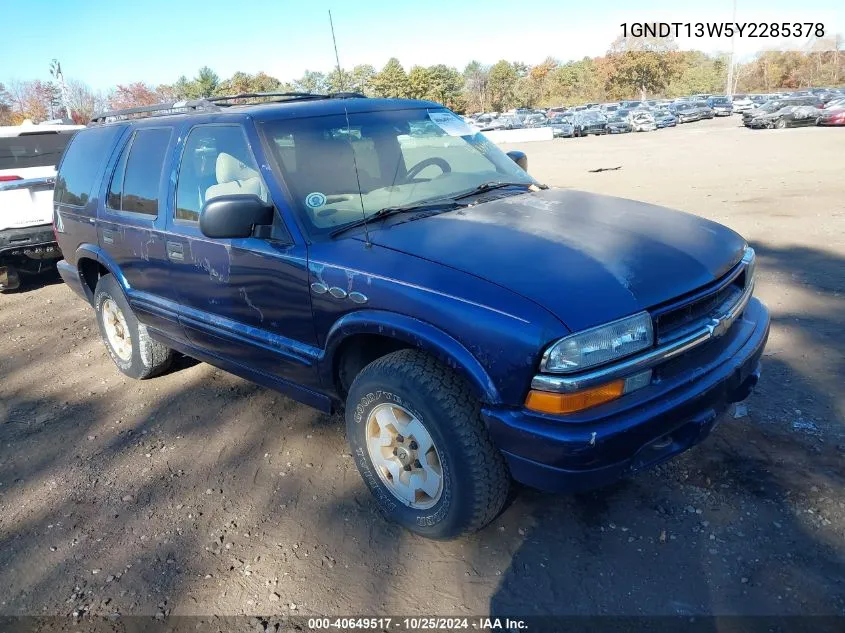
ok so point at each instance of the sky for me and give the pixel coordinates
(109, 42)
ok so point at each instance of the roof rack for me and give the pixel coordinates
(160, 109)
(214, 103)
(277, 97)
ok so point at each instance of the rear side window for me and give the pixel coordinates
(137, 177)
(82, 164)
(40, 149)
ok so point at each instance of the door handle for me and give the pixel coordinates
(108, 236)
(174, 251)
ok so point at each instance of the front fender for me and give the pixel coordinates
(416, 333)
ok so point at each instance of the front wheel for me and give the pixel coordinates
(421, 446)
(781, 124)
(127, 340)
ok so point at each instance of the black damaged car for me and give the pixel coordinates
(776, 104)
(790, 116)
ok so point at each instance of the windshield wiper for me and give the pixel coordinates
(489, 186)
(440, 204)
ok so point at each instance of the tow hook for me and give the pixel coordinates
(9, 279)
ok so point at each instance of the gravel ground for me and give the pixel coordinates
(200, 493)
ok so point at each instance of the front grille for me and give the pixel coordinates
(683, 316)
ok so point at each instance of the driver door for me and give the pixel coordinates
(246, 300)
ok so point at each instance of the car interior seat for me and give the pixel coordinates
(235, 177)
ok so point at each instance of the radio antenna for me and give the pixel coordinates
(342, 85)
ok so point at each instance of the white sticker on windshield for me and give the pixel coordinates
(451, 124)
(315, 200)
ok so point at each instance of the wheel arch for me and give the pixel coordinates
(390, 332)
(92, 263)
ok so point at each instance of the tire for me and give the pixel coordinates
(469, 478)
(781, 124)
(139, 356)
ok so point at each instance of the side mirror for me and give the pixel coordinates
(519, 158)
(234, 216)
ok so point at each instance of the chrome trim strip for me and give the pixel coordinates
(714, 329)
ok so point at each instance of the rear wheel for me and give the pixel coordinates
(421, 446)
(127, 341)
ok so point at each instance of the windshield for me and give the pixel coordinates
(721, 100)
(403, 157)
(42, 149)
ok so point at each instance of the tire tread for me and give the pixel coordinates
(490, 480)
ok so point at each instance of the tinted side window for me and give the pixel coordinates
(116, 188)
(82, 162)
(144, 166)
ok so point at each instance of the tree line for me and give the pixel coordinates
(631, 68)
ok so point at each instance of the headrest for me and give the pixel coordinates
(228, 168)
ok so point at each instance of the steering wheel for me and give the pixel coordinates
(434, 160)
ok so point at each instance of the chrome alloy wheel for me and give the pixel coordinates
(404, 456)
(117, 332)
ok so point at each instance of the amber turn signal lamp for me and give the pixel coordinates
(557, 403)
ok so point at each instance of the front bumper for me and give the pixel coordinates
(600, 445)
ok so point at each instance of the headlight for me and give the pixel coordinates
(599, 345)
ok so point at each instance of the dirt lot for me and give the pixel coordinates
(200, 493)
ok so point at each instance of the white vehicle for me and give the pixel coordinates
(642, 120)
(742, 103)
(28, 157)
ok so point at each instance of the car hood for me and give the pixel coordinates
(586, 258)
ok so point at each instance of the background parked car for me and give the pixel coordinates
(534, 120)
(722, 106)
(741, 103)
(685, 112)
(776, 104)
(832, 117)
(788, 116)
(618, 123)
(705, 111)
(28, 158)
(642, 120)
(561, 127)
(586, 123)
(839, 102)
(663, 118)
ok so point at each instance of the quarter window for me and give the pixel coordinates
(83, 163)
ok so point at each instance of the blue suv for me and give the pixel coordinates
(381, 258)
